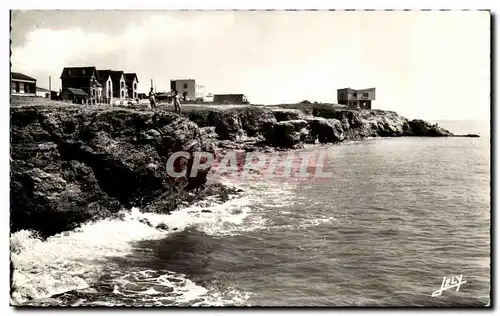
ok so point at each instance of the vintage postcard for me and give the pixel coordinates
(328, 158)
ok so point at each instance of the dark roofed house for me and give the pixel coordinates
(83, 78)
(74, 95)
(22, 85)
(106, 79)
(119, 86)
(131, 82)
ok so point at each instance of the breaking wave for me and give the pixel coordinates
(68, 268)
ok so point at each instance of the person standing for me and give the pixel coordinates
(177, 103)
(152, 99)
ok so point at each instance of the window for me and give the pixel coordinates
(355, 95)
(123, 84)
(18, 87)
(135, 86)
(26, 90)
(83, 72)
(69, 72)
(185, 86)
(123, 94)
(109, 93)
(365, 94)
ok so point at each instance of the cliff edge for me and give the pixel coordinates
(72, 163)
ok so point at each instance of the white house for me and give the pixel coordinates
(42, 92)
(131, 82)
(188, 89)
(106, 81)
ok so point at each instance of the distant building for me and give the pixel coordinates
(105, 78)
(119, 86)
(74, 95)
(82, 78)
(101, 86)
(230, 99)
(360, 99)
(42, 92)
(188, 89)
(131, 82)
(208, 98)
(22, 85)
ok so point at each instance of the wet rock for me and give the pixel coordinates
(162, 226)
(163, 288)
(145, 221)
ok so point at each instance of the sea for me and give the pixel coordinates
(398, 218)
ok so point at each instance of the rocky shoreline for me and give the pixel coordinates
(71, 164)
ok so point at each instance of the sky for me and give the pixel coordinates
(423, 64)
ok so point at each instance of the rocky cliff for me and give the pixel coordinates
(71, 164)
(277, 127)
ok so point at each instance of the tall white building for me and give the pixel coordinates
(188, 89)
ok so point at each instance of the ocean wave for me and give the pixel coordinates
(73, 261)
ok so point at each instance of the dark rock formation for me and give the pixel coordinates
(256, 126)
(287, 134)
(326, 130)
(423, 128)
(470, 135)
(70, 164)
(162, 226)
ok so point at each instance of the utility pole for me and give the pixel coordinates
(50, 89)
(151, 83)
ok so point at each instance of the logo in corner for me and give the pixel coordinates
(449, 283)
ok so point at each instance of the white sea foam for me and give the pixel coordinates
(73, 260)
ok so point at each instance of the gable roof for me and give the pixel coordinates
(76, 91)
(117, 74)
(115, 77)
(104, 74)
(79, 72)
(130, 77)
(20, 76)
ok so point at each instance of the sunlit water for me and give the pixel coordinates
(397, 216)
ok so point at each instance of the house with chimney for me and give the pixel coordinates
(85, 79)
(100, 86)
(131, 82)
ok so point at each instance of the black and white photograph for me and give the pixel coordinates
(250, 158)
